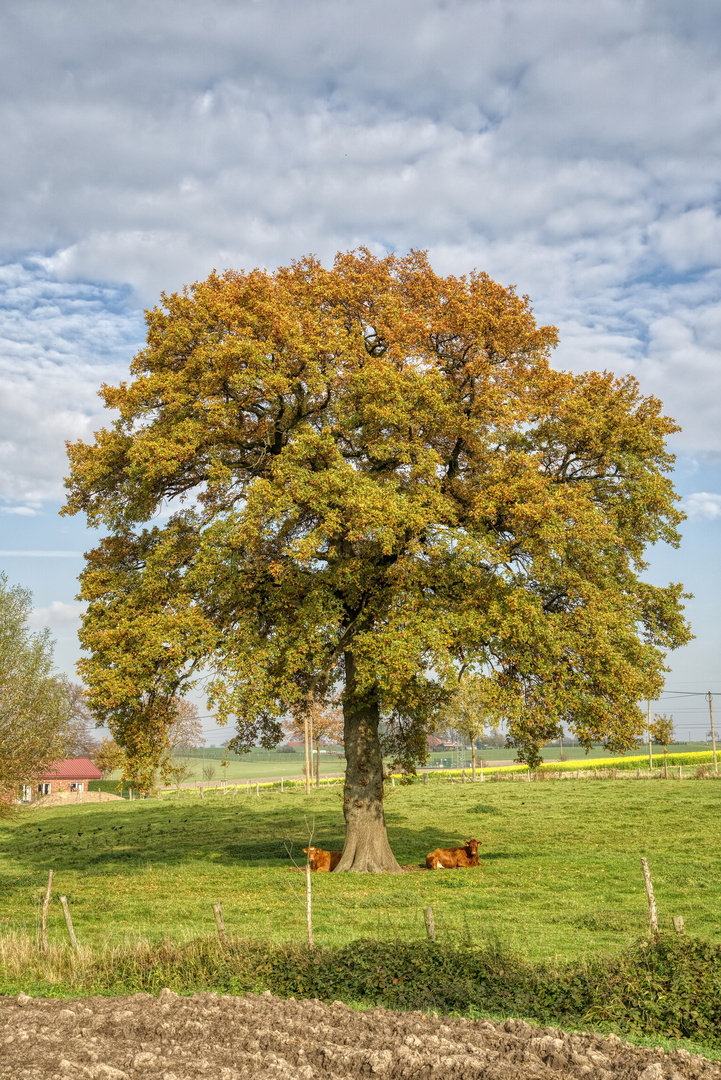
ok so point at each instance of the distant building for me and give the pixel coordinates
(72, 774)
(434, 743)
(291, 747)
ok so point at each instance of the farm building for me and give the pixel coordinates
(72, 774)
(434, 743)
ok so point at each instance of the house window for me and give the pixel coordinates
(44, 789)
(75, 786)
(26, 793)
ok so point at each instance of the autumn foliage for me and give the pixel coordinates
(374, 478)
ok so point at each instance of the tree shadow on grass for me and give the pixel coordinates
(94, 839)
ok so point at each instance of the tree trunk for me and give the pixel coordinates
(473, 759)
(317, 762)
(366, 847)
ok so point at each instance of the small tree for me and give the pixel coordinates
(209, 771)
(470, 710)
(186, 729)
(178, 772)
(661, 731)
(109, 756)
(326, 725)
(34, 707)
(79, 733)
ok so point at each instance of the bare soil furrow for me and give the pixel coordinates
(267, 1038)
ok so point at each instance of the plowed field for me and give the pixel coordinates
(265, 1038)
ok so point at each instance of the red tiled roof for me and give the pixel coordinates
(79, 768)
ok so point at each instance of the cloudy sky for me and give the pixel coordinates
(571, 149)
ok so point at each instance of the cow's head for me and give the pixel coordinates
(471, 846)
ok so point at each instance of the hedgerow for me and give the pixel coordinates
(667, 987)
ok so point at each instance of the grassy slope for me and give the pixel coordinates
(560, 877)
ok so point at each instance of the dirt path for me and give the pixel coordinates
(264, 1038)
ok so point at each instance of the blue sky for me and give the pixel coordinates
(570, 149)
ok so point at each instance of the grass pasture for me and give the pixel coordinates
(560, 875)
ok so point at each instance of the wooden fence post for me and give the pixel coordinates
(44, 924)
(68, 921)
(281, 785)
(680, 774)
(257, 788)
(220, 924)
(652, 915)
(425, 777)
(430, 925)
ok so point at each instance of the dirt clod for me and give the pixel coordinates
(261, 1037)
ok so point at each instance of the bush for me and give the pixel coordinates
(669, 987)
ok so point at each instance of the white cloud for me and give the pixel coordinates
(703, 504)
(571, 149)
(58, 342)
(689, 240)
(57, 614)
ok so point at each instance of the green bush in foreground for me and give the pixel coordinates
(670, 987)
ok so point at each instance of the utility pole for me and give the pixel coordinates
(713, 733)
(307, 761)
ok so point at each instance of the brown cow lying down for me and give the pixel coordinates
(322, 860)
(451, 857)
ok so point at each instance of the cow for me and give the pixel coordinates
(322, 860)
(450, 858)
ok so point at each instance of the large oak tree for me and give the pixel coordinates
(367, 479)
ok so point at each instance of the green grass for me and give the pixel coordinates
(260, 765)
(561, 875)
